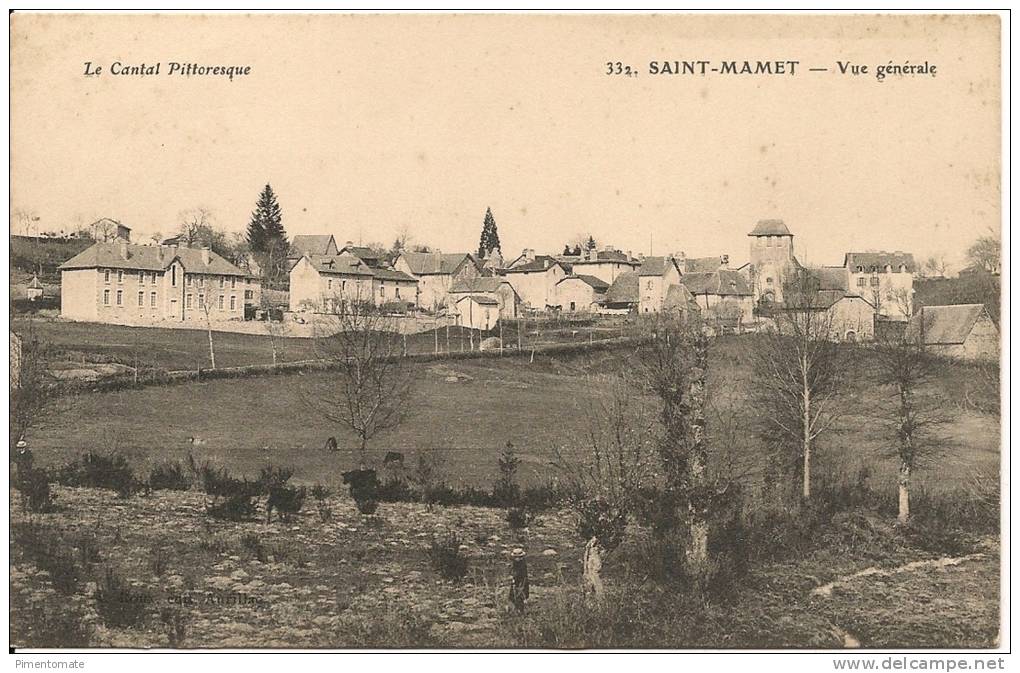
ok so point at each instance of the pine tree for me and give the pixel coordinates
(265, 230)
(490, 237)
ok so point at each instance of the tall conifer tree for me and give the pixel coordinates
(490, 237)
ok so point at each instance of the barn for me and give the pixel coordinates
(963, 331)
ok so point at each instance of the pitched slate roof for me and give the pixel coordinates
(149, 258)
(723, 282)
(702, 264)
(392, 274)
(480, 298)
(437, 263)
(34, 284)
(311, 244)
(950, 324)
(480, 284)
(596, 284)
(368, 255)
(877, 261)
(770, 228)
(624, 290)
(340, 265)
(540, 263)
(830, 277)
(654, 266)
(678, 296)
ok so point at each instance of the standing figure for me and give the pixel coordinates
(518, 579)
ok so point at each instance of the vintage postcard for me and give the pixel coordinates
(507, 331)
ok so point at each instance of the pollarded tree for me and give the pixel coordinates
(489, 240)
(914, 414)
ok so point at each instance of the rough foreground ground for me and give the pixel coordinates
(360, 581)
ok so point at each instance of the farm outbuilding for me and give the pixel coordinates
(477, 311)
(963, 331)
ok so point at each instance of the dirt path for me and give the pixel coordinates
(826, 589)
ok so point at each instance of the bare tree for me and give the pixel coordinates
(370, 382)
(604, 475)
(935, 266)
(798, 375)
(205, 304)
(271, 276)
(905, 370)
(675, 363)
(986, 252)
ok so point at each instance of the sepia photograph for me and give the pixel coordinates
(509, 331)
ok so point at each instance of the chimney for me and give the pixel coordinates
(159, 253)
(545, 263)
(629, 256)
(348, 244)
(529, 254)
(725, 261)
(607, 248)
(205, 255)
(123, 248)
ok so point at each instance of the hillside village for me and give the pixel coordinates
(173, 282)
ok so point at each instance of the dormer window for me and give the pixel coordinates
(768, 281)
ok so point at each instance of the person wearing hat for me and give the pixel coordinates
(518, 579)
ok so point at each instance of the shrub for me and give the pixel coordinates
(233, 499)
(235, 508)
(97, 470)
(159, 560)
(518, 518)
(367, 506)
(272, 476)
(175, 621)
(445, 556)
(505, 491)
(252, 543)
(321, 495)
(170, 475)
(119, 604)
(34, 484)
(597, 518)
(287, 500)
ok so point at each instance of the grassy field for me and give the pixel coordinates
(188, 349)
(463, 413)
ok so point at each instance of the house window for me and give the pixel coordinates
(201, 301)
(233, 302)
(187, 280)
(219, 302)
(153, 277)
(106, 275)
(106, 297)
(874, 281)
(141, 299)
(382, 291)
(248, 294)
(187, 301)
(120, 275)
(329, 284)
(223, 281)
(397, 292)
(173, 276)
(862, 281)
(141, 277)
(120, 297)
(233, 283)
(152, 300)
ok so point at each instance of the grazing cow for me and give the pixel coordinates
(393, 459)
(331, 444)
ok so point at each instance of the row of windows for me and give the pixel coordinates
(142, 276)
(862, 282)
(219, 302)
(120, 298)
(902, 268)
(151, 275)
(343, 288)
(200, 281)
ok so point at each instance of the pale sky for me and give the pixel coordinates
(366, 125)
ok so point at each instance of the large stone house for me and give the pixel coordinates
(886, 279)
(581, 293)
(656, 275)
(722, 294)
(496, 288)
(323, 283)
(842, 315)
(436, 272)
(129, 284)
(963, 331)
(606, 264)
(535, 278)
